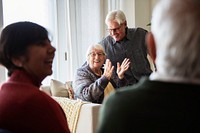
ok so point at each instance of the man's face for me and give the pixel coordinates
(117, 31)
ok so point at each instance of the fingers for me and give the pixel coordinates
(108, 64)
(123, 68)
(112, 68)
(118, 65)
(125, 62)
(108, 69)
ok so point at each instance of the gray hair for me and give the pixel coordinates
(94, 46)
(116, 15)
(176, 26)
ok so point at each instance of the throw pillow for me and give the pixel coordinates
(109, 88)
(58, 89)
(70, 89)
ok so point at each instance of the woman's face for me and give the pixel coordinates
(39, 59)
(96, 59)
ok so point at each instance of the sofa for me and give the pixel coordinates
(82, 116)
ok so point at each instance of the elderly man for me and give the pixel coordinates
(123, 42)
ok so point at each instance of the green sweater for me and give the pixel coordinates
(152, 106)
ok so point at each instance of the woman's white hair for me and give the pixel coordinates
(176, 29)
(116, 15)
(92, 47)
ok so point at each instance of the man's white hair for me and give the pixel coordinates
(176, 29)
(115, 15)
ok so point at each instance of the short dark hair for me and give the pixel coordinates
(16, 38)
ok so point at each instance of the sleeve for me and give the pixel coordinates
(117, 83)
(87, 87)
(142, 35)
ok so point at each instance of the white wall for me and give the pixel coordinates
(143, 12)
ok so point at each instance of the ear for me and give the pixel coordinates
(18, 61)
(125, 23)
(151, 46)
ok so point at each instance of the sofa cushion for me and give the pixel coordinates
(68, 85)
(58, 88)
(46, 89)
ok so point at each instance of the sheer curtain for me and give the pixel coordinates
(80, 22)
(85, 25)
(74, 24)
(2, 69)
(42, 12)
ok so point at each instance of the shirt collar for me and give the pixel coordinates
(23, 76)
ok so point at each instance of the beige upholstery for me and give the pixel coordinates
(88, 117)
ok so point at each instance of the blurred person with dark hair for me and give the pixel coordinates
(27, 53)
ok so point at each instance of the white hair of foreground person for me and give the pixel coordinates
(176, 29)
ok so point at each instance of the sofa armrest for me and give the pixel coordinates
(87, 122)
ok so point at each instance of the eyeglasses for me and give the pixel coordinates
(114, 30)
(94, 54)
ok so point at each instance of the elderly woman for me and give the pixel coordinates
(27, 53)
(92, 79)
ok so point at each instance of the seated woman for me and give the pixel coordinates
(27, 53)
(92, 80)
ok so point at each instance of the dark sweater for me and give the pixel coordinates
(152, 107)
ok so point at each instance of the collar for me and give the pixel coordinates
(24, 77)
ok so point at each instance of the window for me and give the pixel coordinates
(74, 25)
(42, 12)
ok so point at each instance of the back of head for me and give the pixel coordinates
(176, 26)
(116, 15)
(16, 38)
